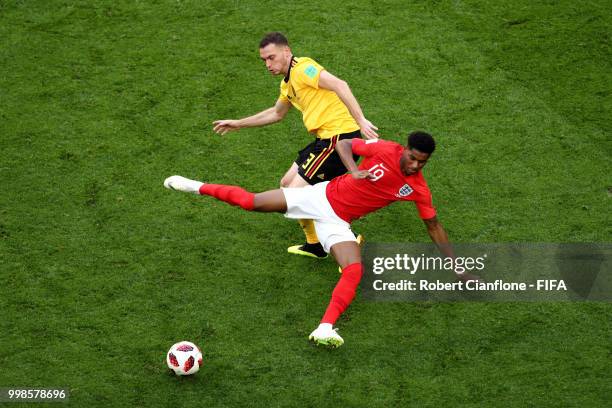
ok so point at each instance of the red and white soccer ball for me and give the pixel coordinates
(184, 358)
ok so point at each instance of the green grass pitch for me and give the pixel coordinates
(102, 269)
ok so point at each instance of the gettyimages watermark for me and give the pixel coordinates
(506, 272)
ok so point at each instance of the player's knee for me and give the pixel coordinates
(297, 182)
(286, 181)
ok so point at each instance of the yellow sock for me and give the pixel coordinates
(309, 231)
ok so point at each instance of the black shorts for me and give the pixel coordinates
(319, 161)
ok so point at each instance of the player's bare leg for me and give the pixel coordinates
(289, 176)
(346, 253)
(360, 242)
(268, 201)
(348, 256)
(312, 247)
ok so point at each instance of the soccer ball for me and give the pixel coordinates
(184, 358)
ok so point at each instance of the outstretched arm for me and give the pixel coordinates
(266, 117)
(341, 88)
(440, 238)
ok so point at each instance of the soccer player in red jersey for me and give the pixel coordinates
(389, 172)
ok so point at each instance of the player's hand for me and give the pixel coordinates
(361, 174)
(224, 126)
(368, 130)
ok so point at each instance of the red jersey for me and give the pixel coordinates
(353, 198)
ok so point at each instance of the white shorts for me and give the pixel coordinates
(310, 203)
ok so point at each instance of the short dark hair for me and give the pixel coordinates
(273, 38)
(421, 141)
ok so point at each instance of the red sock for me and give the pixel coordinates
(230, 194)
(343, 293)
